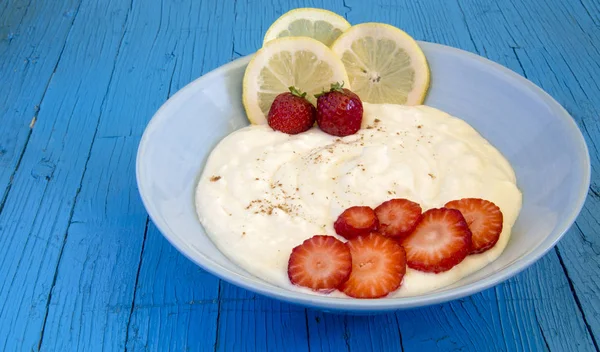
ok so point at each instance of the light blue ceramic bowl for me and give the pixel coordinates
(539, 138)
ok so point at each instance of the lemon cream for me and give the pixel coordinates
(264, 192)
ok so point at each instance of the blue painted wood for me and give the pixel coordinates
(327, 332)
(172, 62)
(30, 50)
(249, 322)
(176, 303)
(39, 205)
(565, 69)
(185, 316)
(592, 8)
(91, 299)
(532, 303)
(78, 252)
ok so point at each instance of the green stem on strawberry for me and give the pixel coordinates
(335, 87)
(295, 91)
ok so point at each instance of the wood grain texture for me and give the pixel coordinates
(176, 303)
(565, 70)
(103, 222)
(534, 302)
(81, 267)
(592, 9)
(39, 205)
(516, 315)
(327, 332)
(30, 50)
(249, 322)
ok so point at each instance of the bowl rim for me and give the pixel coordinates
(370, 305)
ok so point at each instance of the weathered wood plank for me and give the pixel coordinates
(557, 47)
(513, 316)
(249, 322)
(534, 302)
(468, 324)
(327, 332)
(32, 38)
(91, 299)
(39, 207)
(170, 290)
(185, 318)
(12, 14)
(176, 303)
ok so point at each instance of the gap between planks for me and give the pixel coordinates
(137, 276)
(557, 251)
(89, 154)
(37, 110)
(574, 293)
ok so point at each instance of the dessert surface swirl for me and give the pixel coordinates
(263, 192)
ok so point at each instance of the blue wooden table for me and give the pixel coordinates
(83, 268)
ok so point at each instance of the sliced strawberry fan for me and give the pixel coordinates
(356, 221)
(384, 241)
(398, 217)
(378, 266)
(440, 241)
(320, 263)
(484, 219)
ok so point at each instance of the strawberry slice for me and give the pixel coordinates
(484, 219)
(378, 266)
(439, 241)
(321, 263)
(398, 217)
(356, 221)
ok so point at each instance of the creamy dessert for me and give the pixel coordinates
(263, 192)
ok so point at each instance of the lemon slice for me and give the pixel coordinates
(385, 65)
(302, 62)
(322, 25)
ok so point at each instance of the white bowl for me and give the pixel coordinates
(536, 135)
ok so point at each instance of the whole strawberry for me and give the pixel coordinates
(291, 113)
(339, 111)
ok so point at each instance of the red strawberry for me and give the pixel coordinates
(398, 217)
(484, 219)
(356, 221)
(440, 241)
(378, 266)
(320, 263)
(339, 111)
(291, 113)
